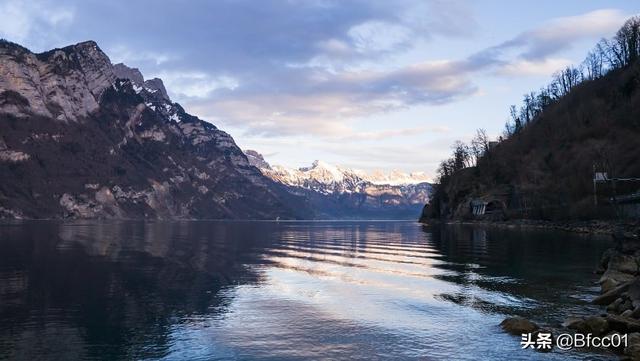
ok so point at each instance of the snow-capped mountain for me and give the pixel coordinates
(338, 192)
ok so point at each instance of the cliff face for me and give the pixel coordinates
(546, 170)
(82, 138)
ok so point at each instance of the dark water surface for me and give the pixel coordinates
(286, 290)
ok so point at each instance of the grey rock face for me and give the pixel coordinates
(124, 72)
(256, 159)
(64, 84)
(154, 85)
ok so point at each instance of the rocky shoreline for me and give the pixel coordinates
(619, 270)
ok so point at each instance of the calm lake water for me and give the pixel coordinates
(286, 290)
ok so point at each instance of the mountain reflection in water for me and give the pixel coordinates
(283, 290)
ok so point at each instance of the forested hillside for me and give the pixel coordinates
(586, 120)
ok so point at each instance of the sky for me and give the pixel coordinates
(362, 84)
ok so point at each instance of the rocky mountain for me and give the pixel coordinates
(337, 192)
(82, 138)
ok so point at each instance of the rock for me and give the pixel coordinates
(625, 306)
(634, 292)
(608, 284)
(572, 322)
(611, 296)
(623, 324)
(518, 325)
(596, 325)
(623, 263)
(627, 313)
(633, 346)
(616, 276)
(45, 80)
(604, 260)
(613, 307)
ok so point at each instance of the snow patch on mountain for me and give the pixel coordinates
(331, 175)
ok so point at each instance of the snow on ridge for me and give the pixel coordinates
(328, 174)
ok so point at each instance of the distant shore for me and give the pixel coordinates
(605, 227)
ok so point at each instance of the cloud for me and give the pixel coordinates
(533, 67)
(358, 135)
(560, 33)
(321, 99)
(194, 84)
(24, 20)
(324, 103)
(279, 68)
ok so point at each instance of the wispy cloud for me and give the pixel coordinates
(560, 33)
(322, 99)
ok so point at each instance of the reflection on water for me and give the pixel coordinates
(261, 290)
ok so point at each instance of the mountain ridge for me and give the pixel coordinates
(78, 141)
(338, 192)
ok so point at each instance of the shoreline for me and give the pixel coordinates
(624, 229)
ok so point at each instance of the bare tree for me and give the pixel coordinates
(594, 64)
(479, 145)
(567, 79)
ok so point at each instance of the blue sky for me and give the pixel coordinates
(364, 84)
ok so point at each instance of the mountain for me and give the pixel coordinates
(337, 193)
(82, 138)
(586, 122)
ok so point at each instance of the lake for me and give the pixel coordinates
(208, 290)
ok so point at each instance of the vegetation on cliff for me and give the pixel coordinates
(587, 119)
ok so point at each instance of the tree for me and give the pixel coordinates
(624, 48)
(479, 145)
(567, 79)
(461, 156)
(593, 63)
(627, 41)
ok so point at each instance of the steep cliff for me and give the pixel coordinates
(82, 138)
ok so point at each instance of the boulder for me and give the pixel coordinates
(572, 322)
(608, 284)
(623, 324)
(518, 325)
(604, 260)
(634, 292)
(596, 325)
(610, 296)
(623, 263)
(625, 306)
(615, 276)
(613, 307)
